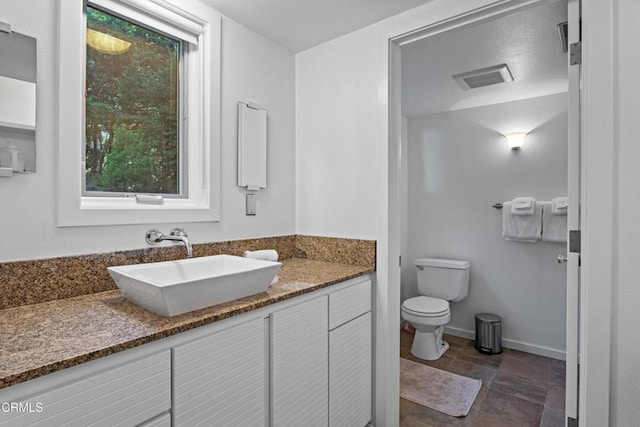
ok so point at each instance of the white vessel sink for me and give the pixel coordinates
(170, 288)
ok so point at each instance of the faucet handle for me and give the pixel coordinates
(178, 232)
(153, 236)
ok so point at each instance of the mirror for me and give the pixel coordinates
(17, 101)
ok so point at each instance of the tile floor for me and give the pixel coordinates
(518, 389)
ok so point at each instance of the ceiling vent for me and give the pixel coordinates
(484, 77)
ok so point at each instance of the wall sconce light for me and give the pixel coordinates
(515, 139)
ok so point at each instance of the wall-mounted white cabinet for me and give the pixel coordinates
(18, 106)
(304, 361)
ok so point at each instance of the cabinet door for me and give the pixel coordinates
(350, 373)
(124, 396)
(219, 380)
(299, 365)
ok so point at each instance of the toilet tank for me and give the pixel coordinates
(447, 279)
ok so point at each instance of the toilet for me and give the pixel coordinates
(439, 282)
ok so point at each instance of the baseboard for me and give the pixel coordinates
(515, 345)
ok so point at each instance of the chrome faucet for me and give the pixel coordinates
(154, 236)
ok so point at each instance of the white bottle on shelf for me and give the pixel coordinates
(17, 158)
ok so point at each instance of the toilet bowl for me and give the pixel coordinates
(428, 316)
(439, 281)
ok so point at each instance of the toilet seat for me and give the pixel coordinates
(426, 307)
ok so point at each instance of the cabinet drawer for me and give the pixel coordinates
(125, 396)
(349, 303)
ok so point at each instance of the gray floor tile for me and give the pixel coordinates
(519, 389)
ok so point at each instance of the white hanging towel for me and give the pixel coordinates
(559, 205)
(522, 228)
(554, 226)
(523, 206)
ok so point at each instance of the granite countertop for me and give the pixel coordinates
(42, 338)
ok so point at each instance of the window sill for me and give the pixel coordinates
(130, 203)
(122, 211)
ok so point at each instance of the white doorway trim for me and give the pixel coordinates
(597, 180)
(597, 196)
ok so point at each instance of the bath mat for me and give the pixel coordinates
(436, 389)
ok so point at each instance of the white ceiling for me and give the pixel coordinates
(301, 24)
(527, 41)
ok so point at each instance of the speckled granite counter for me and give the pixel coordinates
(42, 338)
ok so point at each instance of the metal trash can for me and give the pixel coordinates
(488, 333)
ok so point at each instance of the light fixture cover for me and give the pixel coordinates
(515, 139)
(105, 43)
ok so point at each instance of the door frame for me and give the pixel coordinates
(597, 176)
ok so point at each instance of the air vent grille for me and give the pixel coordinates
(484, 77)
(484, 80)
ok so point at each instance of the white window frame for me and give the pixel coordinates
(202, 121)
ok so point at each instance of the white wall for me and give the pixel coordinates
(336, 138)
(342, 160)
(460, 165)
(253, 68)
(625, 351)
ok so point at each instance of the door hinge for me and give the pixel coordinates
(400, 261)
(575, 53)
(572, 422)
(575, 241)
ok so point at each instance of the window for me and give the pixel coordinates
(132, 144)
(147, 121)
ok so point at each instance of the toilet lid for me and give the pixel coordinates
(426, 306)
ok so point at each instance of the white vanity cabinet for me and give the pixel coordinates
(299, 365)
(220, 379)
(305, 361)
(125, 395)
(321, 360)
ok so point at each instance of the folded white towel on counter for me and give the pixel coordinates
(554, 226)
(559, 205)
(523, 206)
(265, 254)
(522, 228)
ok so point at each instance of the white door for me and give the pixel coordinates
(573, 219)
